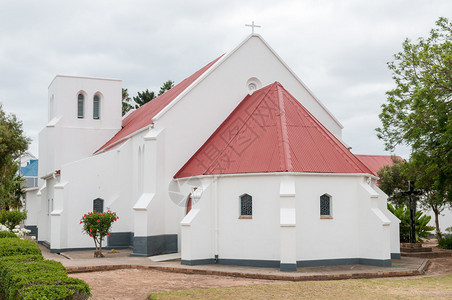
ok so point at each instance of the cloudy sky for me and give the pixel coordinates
(338, 48)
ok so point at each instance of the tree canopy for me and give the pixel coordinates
(394, 180)
(13, 143)
(418, 110)
(166, 86)
(143, 97)
(126, 106)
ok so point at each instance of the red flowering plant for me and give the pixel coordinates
(98, 225)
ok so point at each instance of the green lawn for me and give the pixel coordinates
(407, 288)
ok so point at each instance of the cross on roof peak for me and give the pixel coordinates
(252, 26)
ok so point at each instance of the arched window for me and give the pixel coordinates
(325, 206)
(98, 205)
(246, 206)
(96, 107)
(80, 106)
(189, 204)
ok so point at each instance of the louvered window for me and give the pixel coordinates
(96, 107)
(80, 106)
(246, 205)
(325, 206)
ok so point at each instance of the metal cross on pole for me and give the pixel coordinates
(411, 193)
(252, 26)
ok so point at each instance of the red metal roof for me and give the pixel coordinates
(142, 117)
(376, 162)
(270, 131)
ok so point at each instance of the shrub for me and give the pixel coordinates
(39, 279)
(422, 230)
(15, 246)
(98, 225)
(445, 242)
(12, 218)
(7, 234)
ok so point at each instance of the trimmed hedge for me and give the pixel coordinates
(50, 292)
(45, 279)
(7, 234)
(24, 274)
(15, 246)
(21, 258)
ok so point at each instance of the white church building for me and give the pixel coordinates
(237, 164)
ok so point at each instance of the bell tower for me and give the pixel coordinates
(83, 114)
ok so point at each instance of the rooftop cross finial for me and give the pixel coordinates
(252, 26)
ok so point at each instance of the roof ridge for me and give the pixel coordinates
(286, 157)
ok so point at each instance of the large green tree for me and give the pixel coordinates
(394, 180)
(418, 110)
(13, 143)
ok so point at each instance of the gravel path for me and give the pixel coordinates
(137, 284)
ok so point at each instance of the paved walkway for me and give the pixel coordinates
(84, 261)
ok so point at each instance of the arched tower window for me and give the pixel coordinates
(246, 206)
(325, 206)
(81, 106)
(96, 107)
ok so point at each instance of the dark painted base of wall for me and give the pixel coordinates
(344, 261)
(33, 229)
(290, 267)
(45, 244)
(154, 245)
(52, 250)
(120, 239)
(396, 256)
(197, 262)
(141, 245)
(81, 249)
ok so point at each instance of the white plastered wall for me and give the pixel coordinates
(107, 176)
(358, 228)
(32, 206)
(395, 222)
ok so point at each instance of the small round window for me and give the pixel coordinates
(252, 85)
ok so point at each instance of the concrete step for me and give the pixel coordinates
(164, 257)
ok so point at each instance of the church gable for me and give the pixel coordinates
(249, 66)
(270, 131)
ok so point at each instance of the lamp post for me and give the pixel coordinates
(411, 193)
